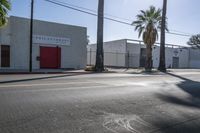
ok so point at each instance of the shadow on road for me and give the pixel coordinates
(192, 100)
(189, 86)
(46, 77)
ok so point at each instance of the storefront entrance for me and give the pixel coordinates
(50, 57)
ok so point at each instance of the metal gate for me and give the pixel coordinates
(50, 57)
(175, 62)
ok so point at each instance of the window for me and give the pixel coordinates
(5, 56)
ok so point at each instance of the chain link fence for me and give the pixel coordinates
(115, 59)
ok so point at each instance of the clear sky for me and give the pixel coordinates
(183, 15)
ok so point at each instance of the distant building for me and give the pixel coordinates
(54, 45)
(132, 53)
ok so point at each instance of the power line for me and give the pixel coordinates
(179, 34)
(94, 13)
(174, 32)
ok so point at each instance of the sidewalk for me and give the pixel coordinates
(40, 71)
(15, 76)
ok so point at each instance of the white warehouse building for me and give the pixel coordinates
(55, 45)
(132, 53)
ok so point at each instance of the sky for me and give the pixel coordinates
(183, 16)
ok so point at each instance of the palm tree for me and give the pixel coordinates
(99, 66)
(162, 66)
(147, 24)
(4, 7)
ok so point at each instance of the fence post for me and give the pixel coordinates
(90, 56)
(128, 60)
(116, 59)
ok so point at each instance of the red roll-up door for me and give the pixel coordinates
(50, 57)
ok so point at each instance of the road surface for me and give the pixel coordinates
(100, 103)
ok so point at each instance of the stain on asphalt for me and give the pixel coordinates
(126, 123)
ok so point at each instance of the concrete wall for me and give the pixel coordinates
(194, 58)
(19, 41)
(114, 53)
(134, 54)
(183, 55)
(5, 37)
(73, 56)
(184, 58)
(156, 56)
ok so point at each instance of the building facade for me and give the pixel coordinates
(132, 53)
(55, 45)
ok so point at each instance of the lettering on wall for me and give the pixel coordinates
(41, 39)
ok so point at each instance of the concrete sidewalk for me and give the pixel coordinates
(38, 71)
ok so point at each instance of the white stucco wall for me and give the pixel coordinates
(194, 58)
(114, 53)
(156, 56)
(16, 34)
(183, 58)
(5, 38)
(183, 55)
(188, 57)
(134, 54)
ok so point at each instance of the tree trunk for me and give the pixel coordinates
(99, 66)
(148, 65)
(162, 66)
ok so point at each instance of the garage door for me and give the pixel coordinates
(50, 57)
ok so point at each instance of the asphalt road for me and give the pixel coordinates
(100, 103)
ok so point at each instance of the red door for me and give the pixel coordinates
(50, 57)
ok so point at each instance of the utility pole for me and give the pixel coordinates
(99, 65)
(31, 36)
(162, 64)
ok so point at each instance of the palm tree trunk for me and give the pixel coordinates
(162, 66)
(99, 66)
(148, 65)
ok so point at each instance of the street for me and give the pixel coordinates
(100, 103)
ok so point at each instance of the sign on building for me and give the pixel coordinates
(176, 53)
(41, 39)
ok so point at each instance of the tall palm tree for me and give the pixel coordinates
(99, 66)
(147, 24)
(162, 66)
(4, 7)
